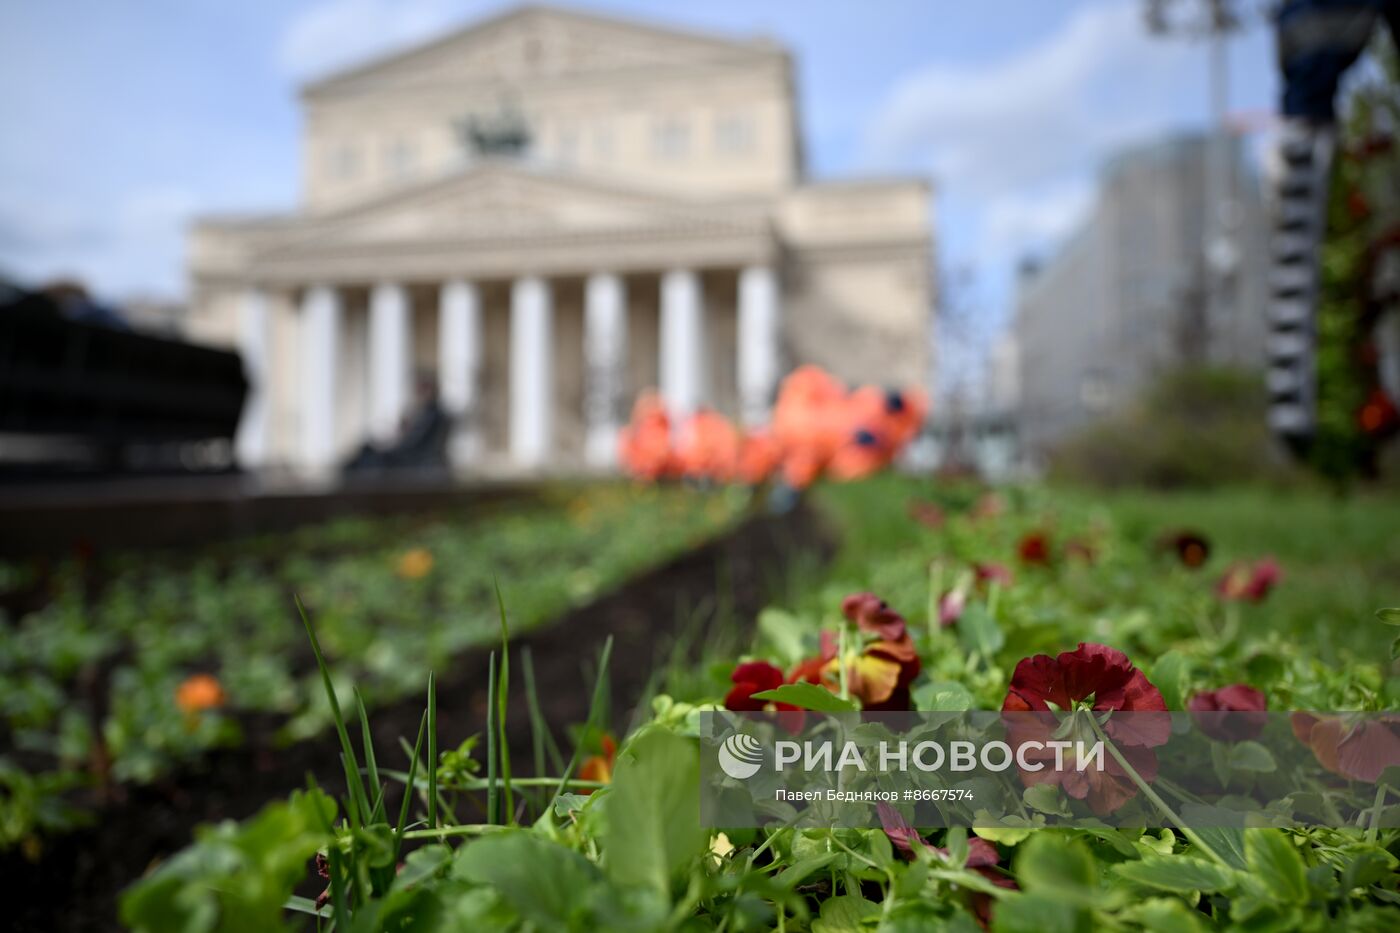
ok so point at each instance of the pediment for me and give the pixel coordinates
(503, 203)
(537, 42)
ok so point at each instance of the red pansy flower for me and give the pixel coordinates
(1034, 548)
(1229, 714)
(1191, 547)
(749, 678)
(1249, 582)
(1094, 677)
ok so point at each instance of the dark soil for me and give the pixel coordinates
(76, 883)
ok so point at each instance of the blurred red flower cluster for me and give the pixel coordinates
(819, 427)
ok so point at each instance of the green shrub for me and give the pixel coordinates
(1192, 427)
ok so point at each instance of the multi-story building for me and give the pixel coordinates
(545, 213)
(1148, 282)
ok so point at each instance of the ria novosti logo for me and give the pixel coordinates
(740, 756)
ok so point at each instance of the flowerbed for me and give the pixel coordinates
(134, 665)
(939, 600)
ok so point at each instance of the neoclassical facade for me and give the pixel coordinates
(544, 214)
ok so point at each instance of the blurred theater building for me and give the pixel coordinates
(543, 214)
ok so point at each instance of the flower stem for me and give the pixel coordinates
(841, 666)
(1152, 795)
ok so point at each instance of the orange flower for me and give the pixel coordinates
(809, 422)
(707, 447)
(199, 692)
(599, 767)
(759, 456)
(644, 446)
(415, 563)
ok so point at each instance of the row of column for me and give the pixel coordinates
(531, 366)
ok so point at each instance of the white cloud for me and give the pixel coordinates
(1015, 143)
(334, 34)
(1028, 118)
(1018, 221)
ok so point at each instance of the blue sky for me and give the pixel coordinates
(122, 120)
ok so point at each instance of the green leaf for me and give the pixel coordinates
(978, 631)
(652, 830)
(236, 876)
(1046, 799)
(1213, 826)
(1390, 616)
(943, 696)
(782, 631)
(1251, 756)
(1056, 865)
(845, 914)
(1180, 873)
(1165, 914)
(797, 871)
(1275, 862)
(545, 883)
(1169, 673)
(1039, 913)
(565, 803)
(1006, 835)
(807, 696)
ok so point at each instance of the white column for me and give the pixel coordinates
(390, 359)
(531, 370)
(320, 345)
(605, 353)
(758, 342)
(682, 341)
(459, 366)
(254, 345)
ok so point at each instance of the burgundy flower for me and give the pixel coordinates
(982, 857)
(1229, 714)
(1099, 678)
(749, 678)
(879, 670)
(1249, 582)
(1359, 750)
(872, 614)
(986, 574)
(1191, 547)
(1034, 548)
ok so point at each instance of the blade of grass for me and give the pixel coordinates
(448, 816)
(432, 752)
(541, 737)
(600, 691)
(370, 765)
(408, 787)
(491, 739)
(502, 698)
(355, 788)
